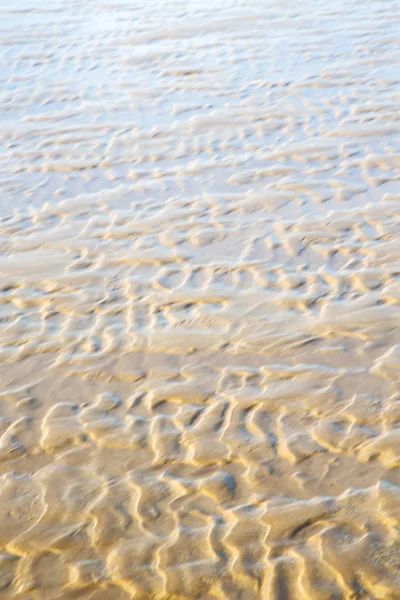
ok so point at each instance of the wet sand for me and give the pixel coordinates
(200, 300)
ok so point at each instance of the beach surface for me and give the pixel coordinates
(200, 300)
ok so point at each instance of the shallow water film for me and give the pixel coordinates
(200, 300)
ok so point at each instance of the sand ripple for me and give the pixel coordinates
(200, 301)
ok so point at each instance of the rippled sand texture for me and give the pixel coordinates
(200, 300)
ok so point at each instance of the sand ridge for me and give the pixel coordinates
(200, 302)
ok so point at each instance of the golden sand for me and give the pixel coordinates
(200, 300)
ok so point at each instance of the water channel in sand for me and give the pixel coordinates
(200, 300)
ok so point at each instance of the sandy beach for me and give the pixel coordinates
(200, 300)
